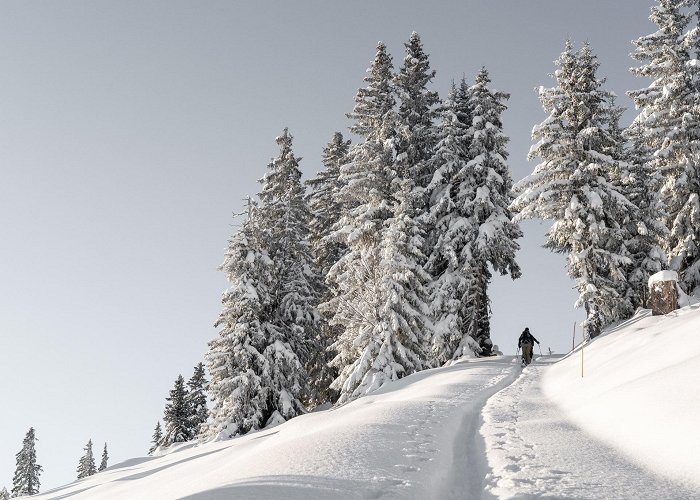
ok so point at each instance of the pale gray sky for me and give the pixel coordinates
(131, 130)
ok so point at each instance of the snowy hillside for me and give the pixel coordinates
(641, 390)
(478, 429)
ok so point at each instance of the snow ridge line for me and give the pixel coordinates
(466, 478)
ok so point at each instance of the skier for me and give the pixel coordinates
(526, 342)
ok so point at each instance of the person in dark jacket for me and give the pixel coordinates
(526, 342)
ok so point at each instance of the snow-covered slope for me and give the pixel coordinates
(477, 429)
(411, 439)
(640, 392)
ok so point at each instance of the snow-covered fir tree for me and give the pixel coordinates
(86, 464)
(26, 478)
(324, 204)
(4, 494)
(284, 219)
(197, 400)
(452, 230)
(176, 415)
(236, 364)
(156, 439)
(647, 231)
(105, 459)
(404, 327)
(495, 233)
(416, 133)
(326, 209)
(572, 187)
(670, 122)
(365, 358)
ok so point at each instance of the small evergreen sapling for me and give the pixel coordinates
(197, 400)
(105, 458)
(176, 416)
(157, 438)
(26, 478)
(86, 464)
(4, 494)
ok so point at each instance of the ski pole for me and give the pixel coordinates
(540, 348)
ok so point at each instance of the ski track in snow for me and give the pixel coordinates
(533, 452)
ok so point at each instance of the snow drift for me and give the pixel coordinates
(639, 393)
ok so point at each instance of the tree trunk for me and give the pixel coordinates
(663, 297)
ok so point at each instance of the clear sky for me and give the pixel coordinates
(130, 131)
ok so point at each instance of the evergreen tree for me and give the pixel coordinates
(105, 458)
(176, 416)
(416, 134)
(405, 331)
(326, 209)
(86, 464)
(495, 236)
(4, 494)
(157, 439)
(197, 400)
(26, 478)
(641, 184)
(284, 218)
(325, 206)
(237, 366)
(573, 187)
(671, 129)
(357, 280)
(452, 230)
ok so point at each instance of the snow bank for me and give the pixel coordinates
(640, 391)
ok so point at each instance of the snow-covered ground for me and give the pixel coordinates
(478, 429)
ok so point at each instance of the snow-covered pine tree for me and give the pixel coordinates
(452, 230)
(284, 220)
(572, 186)
(356, 278)
(86, 464)
(156, 439)
(324, 204)
(105, 459)
(416, 132)
(326, 209)
(26, 478)
(197, 400)
(235, 358)
(176, 415)
(647, 232)
(406, 333)
(496, 234)
(669, 117)
(4, 494)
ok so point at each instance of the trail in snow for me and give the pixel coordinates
(534, 452)
(480, 429)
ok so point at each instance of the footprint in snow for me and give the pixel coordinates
(407, 468)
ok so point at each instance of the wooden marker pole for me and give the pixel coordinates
(583, 340)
